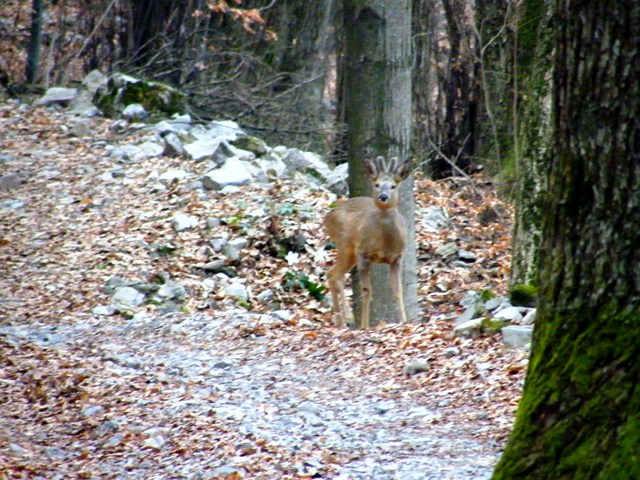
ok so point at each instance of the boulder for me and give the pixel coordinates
(469, 329)
(158, 99)
(57, 95)
(82, 103)
(517, 335)
(233, 172)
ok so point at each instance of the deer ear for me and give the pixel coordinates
(402, 170)
(372, 167)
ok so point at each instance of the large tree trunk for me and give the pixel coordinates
(579, 416)
(377, 96)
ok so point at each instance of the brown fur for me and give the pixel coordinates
(368, 230)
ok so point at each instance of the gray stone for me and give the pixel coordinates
(466, 256)
(105, 177)
(182, 222)
(114, 283)
(128, 296)
(81, 127)
(494, 303)
(172, 291)
(517, 335)
(451, 352)
(10, 181)
(92, 410)
(337, 179)
(271, 166)
(134, 112)
(417, 365)
(114, 441)
(265, 295)
(173, 174)
(213, 222)
(530, 317)
(469, 329)
(297, 160)
(237, 290)
(283, 315)
(511, 314)
(58, 95)
(447, 250)
(218, 243)
(214, 266)
(18, 449)
(103, 310)
(219, 129)
(201, 150)
(233, 172)
(469, 314)
(82, 103)
(435, 219)
(173, 146)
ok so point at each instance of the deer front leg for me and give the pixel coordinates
(396, 287)
(336, 286)
(335, 278)
(365, 285)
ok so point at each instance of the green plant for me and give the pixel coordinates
(294, 280)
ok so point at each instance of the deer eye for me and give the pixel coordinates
(393, 187)
(377, 185)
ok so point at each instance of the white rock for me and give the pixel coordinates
(469, 329)
(57, 95)
(265, 295)
(173, 174)
(530, 317)
(103, 310)
(233, 172)
(511, 314)
(128, 296)
(517, 335)
(182, 222)
(447, 250)
(435, 219)
(172, 291)
(237, 290)
(134, 111)
(156, 443)
(283, 315)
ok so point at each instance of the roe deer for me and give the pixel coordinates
(368, 230)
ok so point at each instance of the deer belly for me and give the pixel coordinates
(382, 257)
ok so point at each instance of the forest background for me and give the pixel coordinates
(480, 78)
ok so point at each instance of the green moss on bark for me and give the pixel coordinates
(523, 295)
(580, 414)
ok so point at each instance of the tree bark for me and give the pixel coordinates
(377, 96)
(580, 413)
(35, 41)
(533, 154)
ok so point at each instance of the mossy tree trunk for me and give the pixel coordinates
(532, 153)
(579, 417)
(377, 109)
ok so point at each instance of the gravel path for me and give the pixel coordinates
(259, 396)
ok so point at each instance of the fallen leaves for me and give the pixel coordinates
(77, 231)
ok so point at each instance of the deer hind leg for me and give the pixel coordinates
(335, 278)
(396, 287)
(365, 285)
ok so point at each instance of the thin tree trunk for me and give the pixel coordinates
(35, 41)
(579, 417)
(378, 118)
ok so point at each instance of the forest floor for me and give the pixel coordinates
(217, 389)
